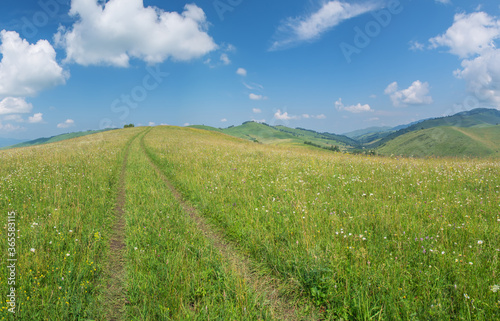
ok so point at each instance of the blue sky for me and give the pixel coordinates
(332, 66)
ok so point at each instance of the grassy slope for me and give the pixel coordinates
(53, 139)
(206, 128)
(480, 117)
(370, 130)
(365, 237)
(446, 141)
(279, 135)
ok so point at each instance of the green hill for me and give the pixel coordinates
(366, 131)
(446, 141)
(480, 117)
(282, 135)
(53, 139)
(206, 128)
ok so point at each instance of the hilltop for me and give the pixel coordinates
(53, 139)
(473, 133)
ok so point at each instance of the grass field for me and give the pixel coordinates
(176, 223)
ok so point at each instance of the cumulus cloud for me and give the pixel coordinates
(482, 76)
(469, 35)
(256, 110)
(67, 123)
(223, 120)
(112, 33)
(356, 109)
(472, 37)
(12, 105)
(241, 72)
(293, 31)
(26, 69)
(256, 97)
(36, 118)
(416, 94)
(284, 116)
(444, 1)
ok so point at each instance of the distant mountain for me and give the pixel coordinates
(480, 117)
(446, 141)
(53, 139)
(282, 135)
(471, 133)
(9, 141)
(370, 130)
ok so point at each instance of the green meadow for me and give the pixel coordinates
(170, 223)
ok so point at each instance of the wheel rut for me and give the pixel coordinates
(282, 308)
(114, 290)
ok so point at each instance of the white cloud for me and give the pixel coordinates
(256, 110)
(223, 120)
(9, 127)
(225, 59)
(67, 123)
(113, 32)
(151, 124)
(469, 35)
(257, 97)
(14, 117)
(253, 86)
(444, 1)
(356, 109)
(416, 46)
(12, 105)
(187, 124)
(284, 116)
(482, 75)
(472, 37)
(26, 69)
(36, 118)
(416, 94)
(241, 72)
(259, 120)
(293, 31)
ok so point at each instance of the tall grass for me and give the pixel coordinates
(366, 237)
(63, 195)
(173, 270)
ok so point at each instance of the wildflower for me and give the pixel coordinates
(442, 252)
(495, 288)
(479, 242)
(466, 296)
(32, 250)
(67, 254)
